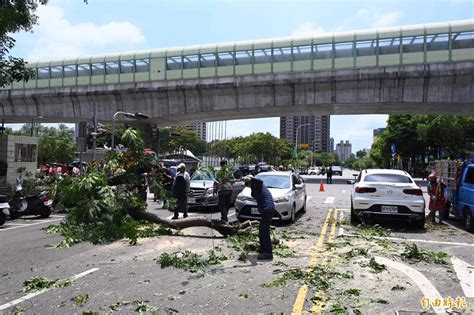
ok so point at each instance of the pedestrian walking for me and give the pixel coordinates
(266, 207)
(181, 191)
(329, 175)
(438, 201)
(223, 187)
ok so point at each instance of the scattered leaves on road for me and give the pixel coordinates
(190, 261)
(398, 288)
(80, 300)
(412, 254)
(143, 307)
(40, 283)
(374, 230)
(243, 296)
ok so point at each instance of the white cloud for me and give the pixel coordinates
(380, 19)
(56, 37)
(307, 29)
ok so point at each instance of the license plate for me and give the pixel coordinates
(389, 209)
(254, 211)
(48, 203)
(191, 200)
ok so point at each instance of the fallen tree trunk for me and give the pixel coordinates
(224, 228)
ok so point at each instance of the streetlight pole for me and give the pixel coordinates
(296, 141)
(126, 114)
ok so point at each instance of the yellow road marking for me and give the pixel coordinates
(318, 306)
(303, 291)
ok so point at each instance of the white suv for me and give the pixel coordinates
(314, 170)
(387, 193)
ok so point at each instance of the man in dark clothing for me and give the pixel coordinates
(256, 170)
(329, 175)
(266, 207)
(223, 187)
(181, 191)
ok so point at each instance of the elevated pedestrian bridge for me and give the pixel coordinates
(413, 69)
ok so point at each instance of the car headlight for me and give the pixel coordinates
(282, 199)
(209, 192)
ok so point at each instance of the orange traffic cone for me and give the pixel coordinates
(321, 186)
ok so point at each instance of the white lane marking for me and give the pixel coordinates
(344, 209)
(32, 295)
(420, 280)
(341, 230)
(308, 198)
(416, 240)
(465, 274)
(27, 225)
(231, 214)
(343, 191)
(329, 200)
(22, 224)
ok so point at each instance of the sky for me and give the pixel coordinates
(69, 28)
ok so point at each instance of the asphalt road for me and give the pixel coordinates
(116, 272)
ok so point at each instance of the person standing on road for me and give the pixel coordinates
(329, 175)
(181, 186)
(266, 207)
(437, 200)
(223, 187)
(256, 170)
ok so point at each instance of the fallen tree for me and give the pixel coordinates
(106, 203)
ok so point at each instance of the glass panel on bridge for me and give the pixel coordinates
(43, 73)
(225, 59)
(56, 72)
(262, 55)
(366, 48)
(243, 57)
(142, 65)
(344, 50)
(173, 63)
(84, 70)
(282, 54)
(190, 62)
(323, 51)
(389, 46)
(302, 53)
(413, 44)
(98, 69)
(463, 40)
(112, 67)
(207, 61)
(70, 71)
(437, 42)
(127, 66)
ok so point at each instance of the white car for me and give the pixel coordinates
(314, 170)
(387, 193)
(288, 191)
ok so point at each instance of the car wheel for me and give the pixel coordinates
(468, 222)
(354, 218)
(45, 212)
(293, 214)
(3, 218)
(420, 224)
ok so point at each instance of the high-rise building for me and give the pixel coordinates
(199, 128)
(315, 135)
(343, 150)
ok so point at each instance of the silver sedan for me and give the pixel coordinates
(288, 191)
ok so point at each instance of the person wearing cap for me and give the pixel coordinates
(181, 186)
(266, 207)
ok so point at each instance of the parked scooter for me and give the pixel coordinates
(4, 209)
(38, 204)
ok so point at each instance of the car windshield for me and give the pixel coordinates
(275, 181)
(203, 175)
(388, 178)
(336, 168)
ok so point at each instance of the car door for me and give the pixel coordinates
(299, 192)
